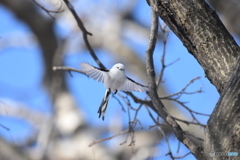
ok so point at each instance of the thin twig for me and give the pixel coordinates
(119, 102)
(4, 127)
(163, 134)
(180, 134)
(164, 66)
(105, 139)
(138, 100)
(187, 108)
(69, 69)
(165, 36)
(133, 123)
(152, 126)
(178, 149)
(85, 34)
(169, 149)
(183, 90)
(182, 156)
(47, 10)
(188, 122)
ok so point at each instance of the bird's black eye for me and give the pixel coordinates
(117, 67)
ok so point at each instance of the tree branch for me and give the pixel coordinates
(224, 121)
(85, 34)
(69, 69)
(180, 134)
(105, 139)
(204, 35)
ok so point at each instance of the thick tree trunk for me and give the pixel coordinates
(206, 38)
(223, 130)
(204, 35)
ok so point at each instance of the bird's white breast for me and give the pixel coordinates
(115, 79)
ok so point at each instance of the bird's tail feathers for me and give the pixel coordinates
(103, 106)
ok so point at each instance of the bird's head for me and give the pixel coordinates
(119, 66)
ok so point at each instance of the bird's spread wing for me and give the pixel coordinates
(131, 85)
(94, 72)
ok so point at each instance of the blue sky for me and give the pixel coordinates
(22, 70)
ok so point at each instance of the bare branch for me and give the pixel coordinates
(4, 127)
(138, 100)
(180, 134)
(159, 127)
(85, 34)
(187, 108)
(119, 102)
(47, 10)
(182, 156)
(188, 122)
(179, 94)
(132, 123)
(165, 36)
(105, 139)
(183, 91)
(69, 69)
(152, 126)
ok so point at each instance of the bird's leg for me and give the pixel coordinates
(115, 91)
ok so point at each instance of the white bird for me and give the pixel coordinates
(114, 80)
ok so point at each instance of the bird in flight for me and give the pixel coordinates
(114, 80)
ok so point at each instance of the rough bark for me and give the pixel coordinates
(158, 105)
(206, 38)
(204, 35)
(223, 130)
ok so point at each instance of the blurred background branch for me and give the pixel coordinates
(57, 113)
